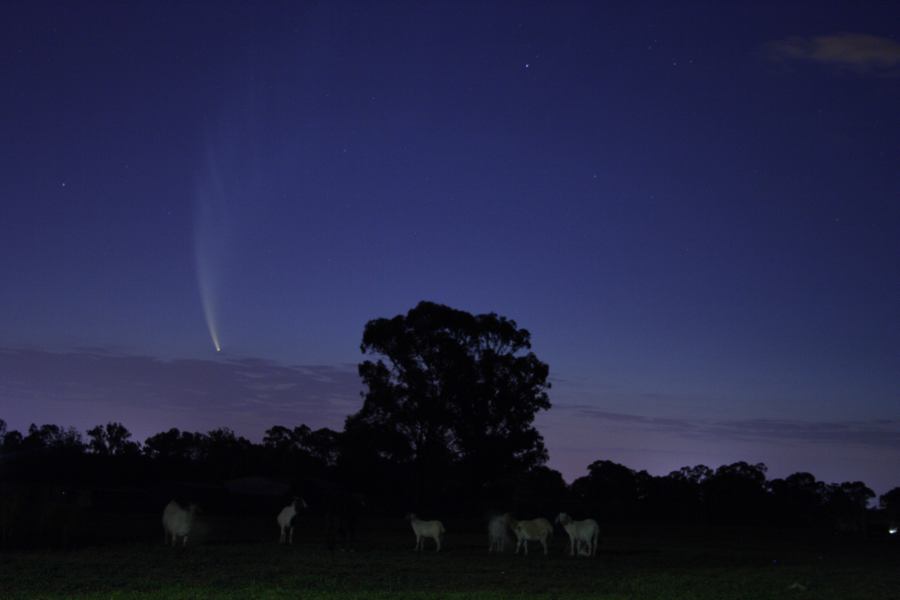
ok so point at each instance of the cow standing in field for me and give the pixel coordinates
(498, 528)
(538, 530)
(426, 529)
(581, 533)
(177, 521)
(286, 519)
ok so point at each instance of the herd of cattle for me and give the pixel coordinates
(583, 535)
(34, 515)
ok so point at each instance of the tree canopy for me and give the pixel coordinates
(448, 388)
(324, 466)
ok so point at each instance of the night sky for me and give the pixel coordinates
(693, 207)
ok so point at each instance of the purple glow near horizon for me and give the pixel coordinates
(148, 395)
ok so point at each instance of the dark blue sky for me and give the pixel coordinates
(693, 208)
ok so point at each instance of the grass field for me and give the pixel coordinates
(646, 565)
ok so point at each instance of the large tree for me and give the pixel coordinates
(452, 390)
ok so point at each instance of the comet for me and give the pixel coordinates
(226, 168)
(209, 312)
(211, 218)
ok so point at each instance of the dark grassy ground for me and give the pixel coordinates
(635, 564)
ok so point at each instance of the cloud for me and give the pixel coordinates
(858, 52)
(883, 433)
(89, 386)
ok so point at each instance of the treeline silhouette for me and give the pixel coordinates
(446, 428)
(58, 469)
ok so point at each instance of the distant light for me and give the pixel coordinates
(892, 531)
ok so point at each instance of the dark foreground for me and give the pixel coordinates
(633, 565)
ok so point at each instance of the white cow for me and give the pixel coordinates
(538, 530)
(581, 533)
(177, 521)
(426, 529)
(497, 532)
(286, 519)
